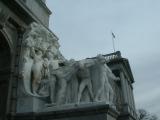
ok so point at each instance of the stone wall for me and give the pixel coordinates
(39, 9)
(14, 19)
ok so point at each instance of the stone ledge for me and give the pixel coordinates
(94, 111)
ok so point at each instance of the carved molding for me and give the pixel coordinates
(3, 17)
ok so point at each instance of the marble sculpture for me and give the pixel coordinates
(46, 73)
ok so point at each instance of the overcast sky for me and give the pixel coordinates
(84, 30)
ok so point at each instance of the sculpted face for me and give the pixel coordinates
(28, 41)
(45, 62)
(52, 52)
(49, 54)
(101, 58)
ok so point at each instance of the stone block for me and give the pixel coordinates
(88, 111)
(30, 104)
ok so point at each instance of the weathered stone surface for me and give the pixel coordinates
(44, 77)
(46, 85)
(90, 111)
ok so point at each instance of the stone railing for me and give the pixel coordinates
(111, 56)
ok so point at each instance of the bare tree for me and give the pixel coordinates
(144, 115)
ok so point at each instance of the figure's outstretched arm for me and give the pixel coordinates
(110, 74)
(88, 62)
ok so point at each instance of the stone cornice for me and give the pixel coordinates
(44, 6)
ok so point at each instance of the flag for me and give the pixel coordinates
(113, 35)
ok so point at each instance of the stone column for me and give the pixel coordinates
(124, 90)
(15, 71)
(128, 92)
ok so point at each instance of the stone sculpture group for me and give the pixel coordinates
(47, 74)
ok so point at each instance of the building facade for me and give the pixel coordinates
(15, 17)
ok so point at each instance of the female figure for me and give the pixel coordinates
(36, 71)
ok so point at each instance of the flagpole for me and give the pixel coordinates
(113, 38)
(113, 44)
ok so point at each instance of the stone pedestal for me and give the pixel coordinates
(30, 104)
(91, 111)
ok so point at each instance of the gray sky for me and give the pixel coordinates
(84, 29)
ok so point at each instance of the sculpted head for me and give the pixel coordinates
(46, 63)
(101, 58)
(39, 52)
(51, 52)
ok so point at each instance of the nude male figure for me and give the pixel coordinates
(53, 65)
(85, 80)
(105, 75)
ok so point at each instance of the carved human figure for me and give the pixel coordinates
(45, 70)
(57, 54)
(36, 70)
(44, 82)
(85, 80)
(27, 62)
(110, 76)
(104, 72)
(53, 65)
(63, 75)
